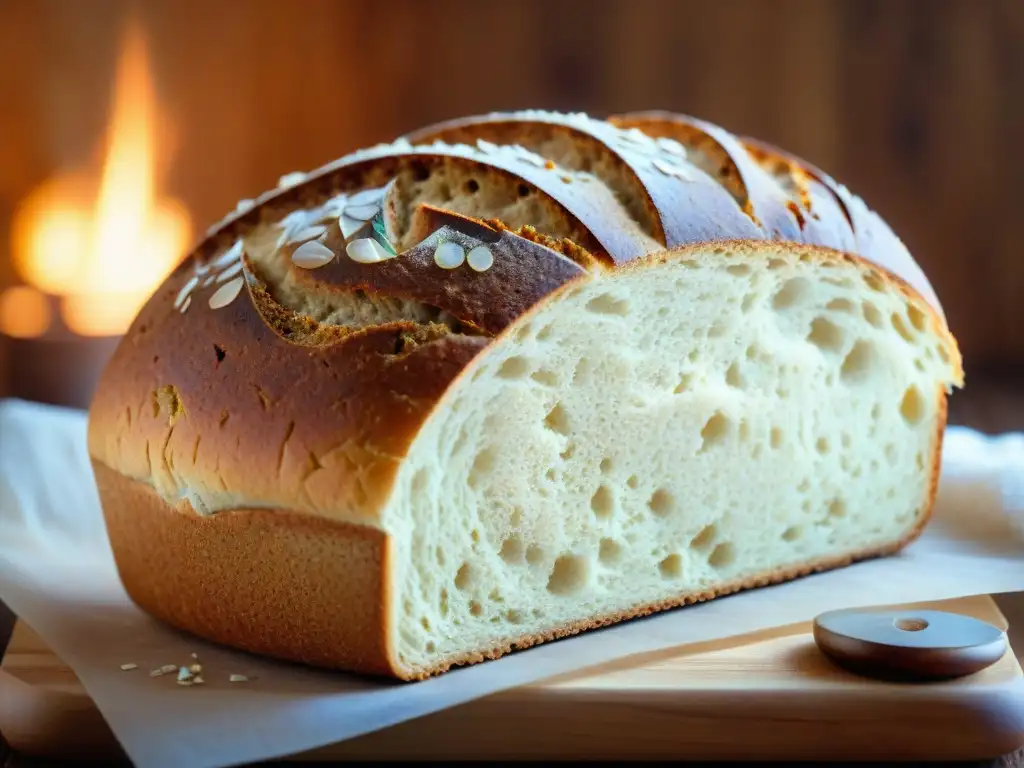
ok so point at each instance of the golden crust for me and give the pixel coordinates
(270, 581)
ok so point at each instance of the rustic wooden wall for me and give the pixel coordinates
(917, 106)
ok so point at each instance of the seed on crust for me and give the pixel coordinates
(449, 255)
(307, 233)
(291, 179)
(365, 250)
(227, 274)
(362, 212)
(312, 255)
(480, 259)
(226, 294)
(349, 226)
(186, 289)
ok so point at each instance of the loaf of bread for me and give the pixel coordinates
(514, 377)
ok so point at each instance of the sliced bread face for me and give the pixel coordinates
(707, 420)
(526, 373)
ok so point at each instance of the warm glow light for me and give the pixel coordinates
(24, 312)
(105, 246)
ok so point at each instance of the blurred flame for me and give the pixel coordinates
(105, 252)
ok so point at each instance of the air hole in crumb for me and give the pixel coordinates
(425, 623)
(717, 330)
(872, 314)
(544, 333)
(776, 263)
(514, 616)
(609, 551)
(567, 454)
(439, 554)
(918, 319)
(744, 431)
(557, 420)
(475, 608)
(705, 538)
(837, 508)
(514, 368)
(472, 186)
(792, 292)
(738, 269)
(523, 332)
(661, 503)
(534, 554)
(919, 459)
(633, 481)
(804, 487)
(792, 533)
(671, 567)
(464, 577)
(602, 502)
(419, 481)
(569, 575)
(606, 465)
(840, 305)
(874, 282)
(748, 302)
(776, 438)
(826, 335)
(733, 377)
(722, 555)
(606, 304)
(546, 377)
(753, 351)
(859, 362)
(693, 355)
(822, 446)
(943, 354)
(482, 465)
(685, 380)
(444, 602)
(805, 505)
(551, 474)
(715, 430)
(912, 407)
(901, 327)
(890, 452)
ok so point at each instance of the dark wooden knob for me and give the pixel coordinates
(908, 645)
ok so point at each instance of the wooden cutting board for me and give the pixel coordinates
(767, 696)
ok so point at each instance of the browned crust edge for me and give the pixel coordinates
(239, 578)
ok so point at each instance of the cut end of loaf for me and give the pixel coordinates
(703, 421)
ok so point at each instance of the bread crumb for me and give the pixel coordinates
(126, 667)
(238, 679)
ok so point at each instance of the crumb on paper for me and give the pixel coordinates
(238, 679)
(195, 655)
(129, 666)
(195, 668)
(168, 668)
(184, 682)
(184, 674)
(198, 680)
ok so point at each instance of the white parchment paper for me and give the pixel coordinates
(57, 573)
